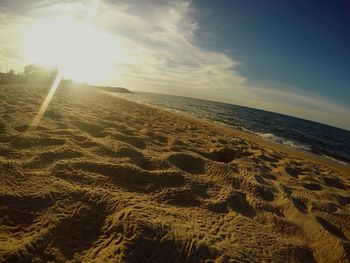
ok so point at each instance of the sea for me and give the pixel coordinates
(327, 141)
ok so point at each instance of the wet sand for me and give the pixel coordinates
(104, 179)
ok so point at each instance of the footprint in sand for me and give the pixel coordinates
(188, 163)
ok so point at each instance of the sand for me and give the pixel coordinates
(103, 179)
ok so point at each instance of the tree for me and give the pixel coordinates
(37, 72)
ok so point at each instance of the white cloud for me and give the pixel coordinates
(11, 29)
(162, 49)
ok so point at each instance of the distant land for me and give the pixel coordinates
(113, 89)
(35, 73)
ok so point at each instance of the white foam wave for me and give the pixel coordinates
(335, 160)
(284, 141)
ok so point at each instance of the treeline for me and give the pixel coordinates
(32, 73)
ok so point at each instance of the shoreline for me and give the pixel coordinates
(323, 157)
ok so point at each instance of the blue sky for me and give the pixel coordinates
(290, 57)
(300, 44)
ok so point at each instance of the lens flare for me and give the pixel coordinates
(46, 103)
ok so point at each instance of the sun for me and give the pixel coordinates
(79, 50)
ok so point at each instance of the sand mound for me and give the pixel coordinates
(102, 179)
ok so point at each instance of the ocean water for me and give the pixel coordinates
(307, 135)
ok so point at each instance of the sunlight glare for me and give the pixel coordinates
(79, 51)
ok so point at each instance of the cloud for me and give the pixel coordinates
(11, 35)
(160, 43)
(160, 52)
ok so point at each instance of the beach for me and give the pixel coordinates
(105, 179)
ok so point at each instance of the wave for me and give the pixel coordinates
(334, 159)
(298, 145)
(284, 141)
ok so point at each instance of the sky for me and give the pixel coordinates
(290, 57)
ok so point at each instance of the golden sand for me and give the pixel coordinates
(103, 179)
